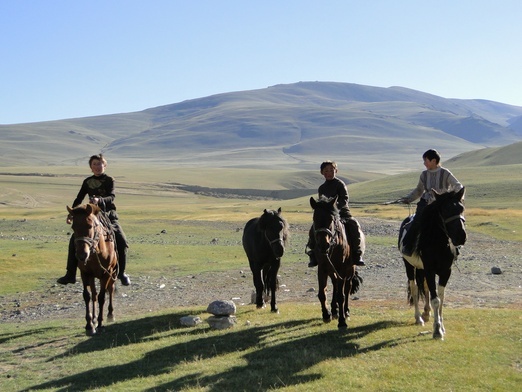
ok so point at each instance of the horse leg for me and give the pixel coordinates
(413, 290)
(322, 278)
(427, 306)
(94, 303)
(438, 333)
(273, 287)
(347, 290)
(101, 303)
(441, 319)
(258, 284)
(90, 328)
(340, 301)
(110, 290)
(334, 304)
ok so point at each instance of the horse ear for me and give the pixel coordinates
(69, 209)
(88, 208)
(333, 200)
(279, 211)
(312, 203)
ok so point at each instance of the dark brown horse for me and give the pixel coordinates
(264, 241)
(333, 257)
(442, 231)
(97, 259)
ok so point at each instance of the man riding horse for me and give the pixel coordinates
(334, 187)
(434, 178)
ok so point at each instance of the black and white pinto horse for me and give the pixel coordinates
(264, 241)
(441, 231)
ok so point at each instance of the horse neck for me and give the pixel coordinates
(433, 230)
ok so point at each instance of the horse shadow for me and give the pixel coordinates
(329, 344)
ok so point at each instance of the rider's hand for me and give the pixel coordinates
(94, 200)
(69, 219)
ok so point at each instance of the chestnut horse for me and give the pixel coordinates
(442, 230)
(97, 259)
(333, 257)
(264, 241)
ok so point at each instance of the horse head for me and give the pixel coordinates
(451, 209)
(85, 225)
(325, 217)
(275, 229)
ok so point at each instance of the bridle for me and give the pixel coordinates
(330, 232)
(279, 239)
(91, 241)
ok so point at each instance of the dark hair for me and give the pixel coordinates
(326, 163)
(432, 154)
(98, 157)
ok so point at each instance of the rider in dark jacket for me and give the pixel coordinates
(100, 189)
(333, 187)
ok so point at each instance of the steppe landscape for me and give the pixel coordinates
(190, 175)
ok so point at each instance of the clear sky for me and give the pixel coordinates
(65, 59)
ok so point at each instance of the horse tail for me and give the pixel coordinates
(267, 282)
(419, 281)
(356, 283)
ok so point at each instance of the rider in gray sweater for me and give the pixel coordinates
(435, 177)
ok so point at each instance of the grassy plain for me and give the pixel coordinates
(291, 351)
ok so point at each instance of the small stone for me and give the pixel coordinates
(221, 322)
(496, 270)
(190, 321)
(222, 308)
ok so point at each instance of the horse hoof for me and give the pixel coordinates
(275, 311)
(342, 326)
(90, 332)
(110, 318)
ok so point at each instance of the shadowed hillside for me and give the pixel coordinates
(297, 125)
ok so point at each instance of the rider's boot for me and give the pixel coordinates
(353, 230)
(122, 263)
(72, 264)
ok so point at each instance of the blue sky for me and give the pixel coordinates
(65, 59)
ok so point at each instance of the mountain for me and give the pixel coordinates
(296, 125)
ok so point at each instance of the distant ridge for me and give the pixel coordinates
(297, 125)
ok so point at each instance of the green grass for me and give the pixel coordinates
(291, 351)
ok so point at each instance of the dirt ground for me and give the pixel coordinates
(472, 283)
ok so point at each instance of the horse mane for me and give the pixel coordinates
(326, 204)
(429, 218)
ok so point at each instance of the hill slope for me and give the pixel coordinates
(297, 125)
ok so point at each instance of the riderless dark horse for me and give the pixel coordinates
(332, 252)
(97, 259)
(264, 241)
(441, 231)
